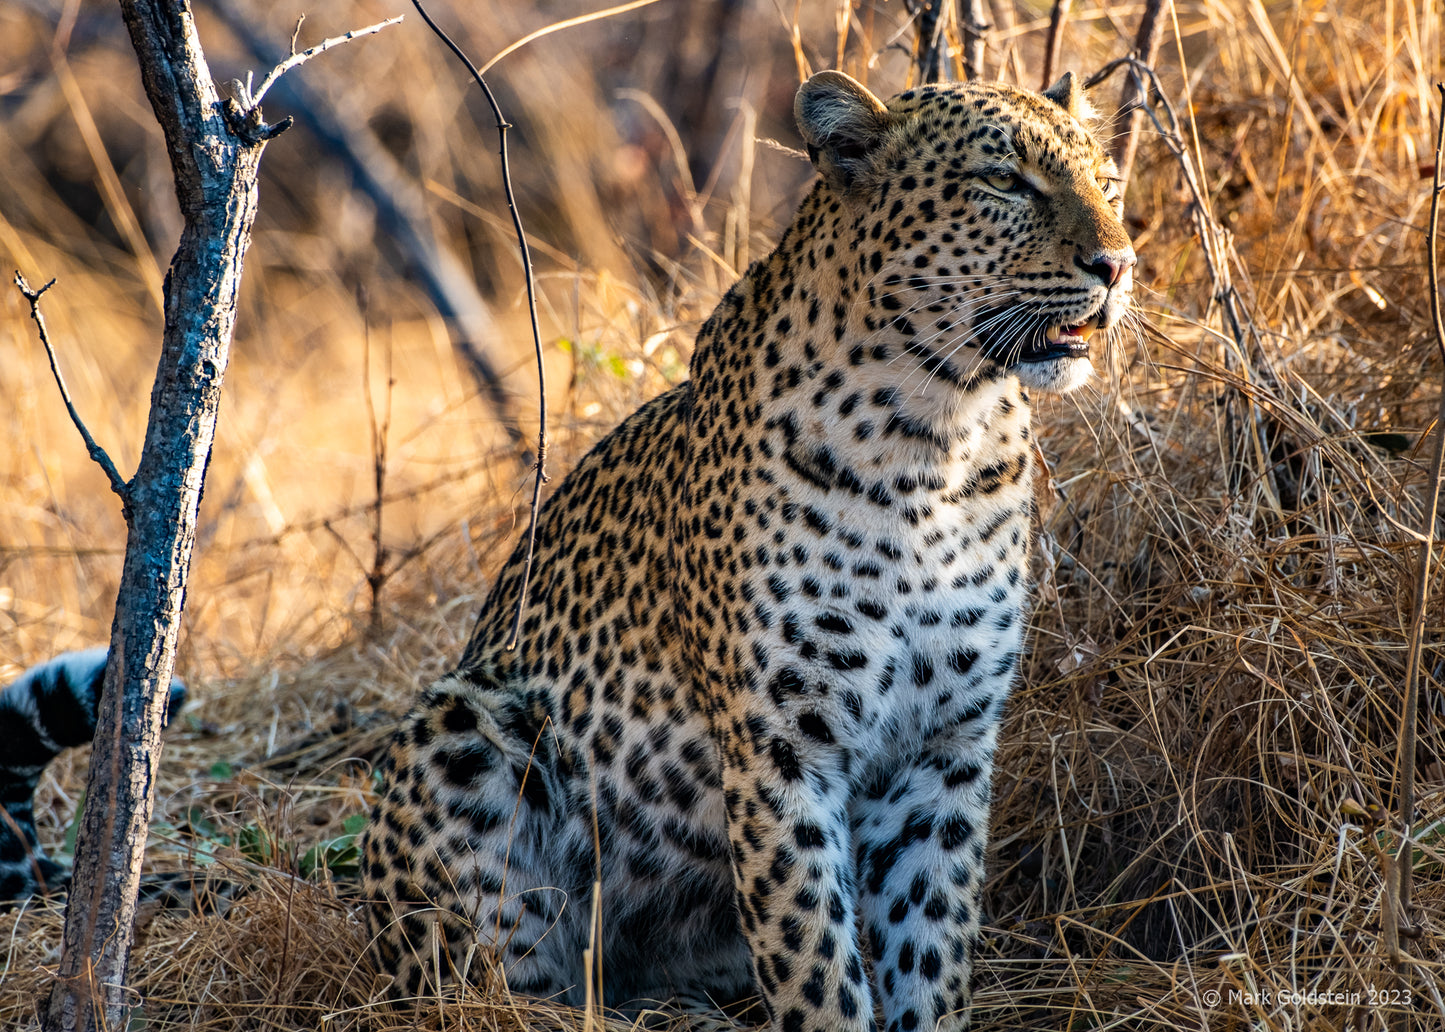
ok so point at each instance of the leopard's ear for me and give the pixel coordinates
(841, 122)
(1069, 94)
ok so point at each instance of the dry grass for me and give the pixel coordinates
(1197, 775)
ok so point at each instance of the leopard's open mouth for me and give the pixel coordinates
(1062, 342)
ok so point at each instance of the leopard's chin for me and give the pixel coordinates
(1057, 375)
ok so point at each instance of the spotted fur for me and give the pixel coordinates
(46, 710)
(778, 611)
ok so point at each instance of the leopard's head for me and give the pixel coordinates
(987, 221)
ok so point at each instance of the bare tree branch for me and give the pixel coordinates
(253, 99)
(215, 153)
(117, 482)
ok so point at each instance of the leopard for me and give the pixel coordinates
(743, 744)
(51, 707)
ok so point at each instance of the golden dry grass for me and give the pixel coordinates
(1207, 731)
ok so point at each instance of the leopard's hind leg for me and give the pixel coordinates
(460, 860)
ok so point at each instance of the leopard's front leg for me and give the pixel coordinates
(920, 836)
(787, 807)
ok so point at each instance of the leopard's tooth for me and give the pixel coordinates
(1085, 331)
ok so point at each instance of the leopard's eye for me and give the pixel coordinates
(1111, 187)
(1004, 182)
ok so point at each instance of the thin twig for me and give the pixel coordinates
(541, 478)
(252, 100)
(117, 482)
(1416, 640)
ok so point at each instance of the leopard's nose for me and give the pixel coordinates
(1109, 266)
